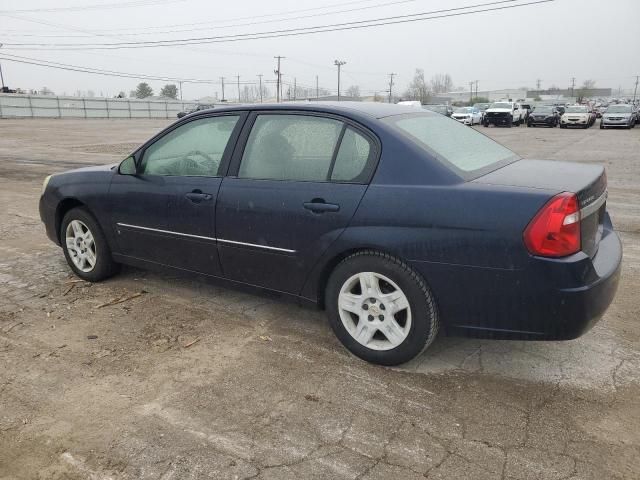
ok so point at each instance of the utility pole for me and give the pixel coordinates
(222, 80)
(635, 90)
(260, 77)
(391, 75)
(1, 76)
(318, 89)
(538, 82)
(476, 90)
(238, 79)
(339, 64)
(180, 83)
(294, 88)
(573, 85)
(278, 76)
(471, 92)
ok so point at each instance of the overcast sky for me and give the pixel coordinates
(585, 39)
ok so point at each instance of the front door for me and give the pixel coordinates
(289, 195)
(165, 212)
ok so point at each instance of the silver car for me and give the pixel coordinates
(618, 116)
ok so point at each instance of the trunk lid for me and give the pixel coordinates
(588, 182)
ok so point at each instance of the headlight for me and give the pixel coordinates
(45, 183)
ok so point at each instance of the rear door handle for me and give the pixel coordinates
(318, 205)
(197, 196)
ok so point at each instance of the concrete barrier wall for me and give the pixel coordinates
(43, 106)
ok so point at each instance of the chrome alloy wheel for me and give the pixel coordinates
(374, 310)
(81, 246)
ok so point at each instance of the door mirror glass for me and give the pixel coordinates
(127, 166)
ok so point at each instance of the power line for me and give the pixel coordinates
(111, 73)
(277, 20)
(138, 3)
(398, 19)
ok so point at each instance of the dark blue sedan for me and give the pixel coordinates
(399, 222)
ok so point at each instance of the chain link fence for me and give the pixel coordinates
(44, 106)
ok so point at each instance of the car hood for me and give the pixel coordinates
(97, 168)
(579, 115)
(623, 115)
(499, 110)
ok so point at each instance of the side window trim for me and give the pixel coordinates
(336, 149)
(243, 137)
(231, 143)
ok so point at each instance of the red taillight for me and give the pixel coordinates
(555, 230)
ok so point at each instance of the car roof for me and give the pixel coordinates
(371, 109)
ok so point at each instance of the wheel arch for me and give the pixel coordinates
(334, 260)
(65, 205)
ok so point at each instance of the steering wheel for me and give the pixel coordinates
(189, 164)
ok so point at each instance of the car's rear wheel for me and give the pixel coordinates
(85, 246)
(380, 308)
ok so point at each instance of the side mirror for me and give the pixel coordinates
(128, 166)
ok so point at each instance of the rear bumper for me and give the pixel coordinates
(551, 299)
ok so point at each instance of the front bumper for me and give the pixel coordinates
(574, 122)
(541, 121)
(550, 299)
(615, 123)
(498, 120)
(465, 121)
(48, 217)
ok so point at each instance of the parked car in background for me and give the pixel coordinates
(446, 110)
(467, 115)
(543, 115)
(197, 108)
(620, 115)
(526, 109)
(503, 113)
(577, 116)
(560, 108)
(482, 107)
(325, 204)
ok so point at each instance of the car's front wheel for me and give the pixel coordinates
(85, 246)
(380, 308)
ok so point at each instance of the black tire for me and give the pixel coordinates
(104, 266)
(510, 123)
(425, 321)
(486, 124)
(601, 126)
(563, 126)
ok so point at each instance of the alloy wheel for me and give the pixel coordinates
(81, 246)
(374, 310)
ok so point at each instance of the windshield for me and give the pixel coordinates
(500, 105)
(619, 109)
(543, 110)
(576, 110)
(463, 148)
(481, 106)
(464, 110)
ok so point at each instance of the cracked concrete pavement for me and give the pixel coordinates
(192, 380)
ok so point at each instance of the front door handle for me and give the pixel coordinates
(318, 205)
(197, 196)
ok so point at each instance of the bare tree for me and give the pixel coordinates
(441, 83)
(353, 91)
(418, 89)
(585, 90)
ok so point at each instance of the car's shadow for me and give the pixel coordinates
(588, 362)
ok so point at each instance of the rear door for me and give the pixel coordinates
(165, 211)
(289, 194)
